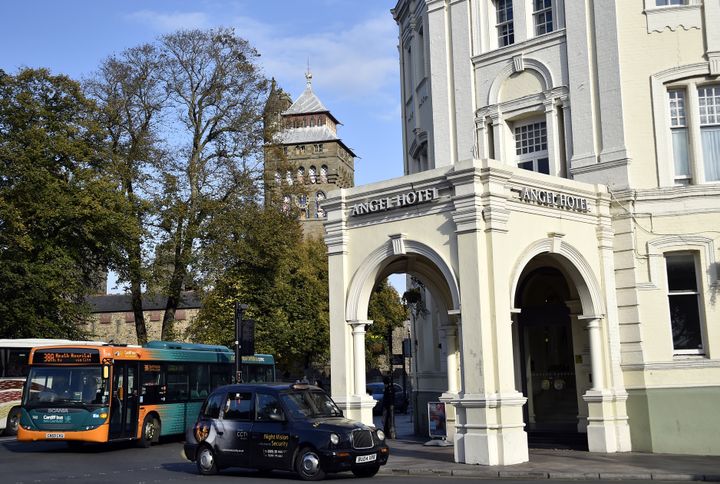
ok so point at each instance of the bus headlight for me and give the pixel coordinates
(381, 434)
(334, 439)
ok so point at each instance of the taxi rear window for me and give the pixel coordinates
(238, 406)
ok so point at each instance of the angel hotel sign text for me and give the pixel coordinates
(400, 200)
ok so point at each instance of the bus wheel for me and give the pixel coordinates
(307, 465)
(205, 460)
(150, 432)
(13, 421)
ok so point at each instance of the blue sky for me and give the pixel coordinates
(351, 46)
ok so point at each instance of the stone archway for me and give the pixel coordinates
(576, 316)
(437, 328)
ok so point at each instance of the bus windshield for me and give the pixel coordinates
(65, 386)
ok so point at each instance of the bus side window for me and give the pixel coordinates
(178, 380)
(151, 383)
(199, 381)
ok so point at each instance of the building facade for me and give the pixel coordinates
(112, 318)
(304, 157)
(561, 208)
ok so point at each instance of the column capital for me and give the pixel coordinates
(359, 324)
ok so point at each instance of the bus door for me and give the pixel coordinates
(124, 402)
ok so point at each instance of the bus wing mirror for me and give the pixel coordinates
(106, 372)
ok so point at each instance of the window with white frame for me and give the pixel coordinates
(278, 178)
(684, 303)
(505, 26)
(709, 107)
(694, 120)
(288, 177)
(667, 3)
(543, 16)
(531, 148)
(679, 132)
(312, 174)
(301, 175)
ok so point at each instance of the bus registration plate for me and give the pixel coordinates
(365, 458)
(55, 435)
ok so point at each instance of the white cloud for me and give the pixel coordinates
(169, 21)
(359, 61)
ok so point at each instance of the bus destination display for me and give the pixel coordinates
(66, 356)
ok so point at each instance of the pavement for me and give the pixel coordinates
(409, 456)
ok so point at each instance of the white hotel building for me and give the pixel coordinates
(561, 207)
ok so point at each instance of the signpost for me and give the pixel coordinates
(239, 311)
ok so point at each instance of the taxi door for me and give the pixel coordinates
(233, 440)
(272, 441)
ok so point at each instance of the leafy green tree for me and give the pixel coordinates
(267, 265)
(61, 217)
(387, 312)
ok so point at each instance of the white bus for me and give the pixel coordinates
(14, 354)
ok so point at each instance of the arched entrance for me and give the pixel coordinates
(553, 371)
(434, 364)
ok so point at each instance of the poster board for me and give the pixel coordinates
(437, 427)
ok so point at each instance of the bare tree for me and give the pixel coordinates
(131, 94)
(184, 122)
(216, 91)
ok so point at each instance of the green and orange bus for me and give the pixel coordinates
(108, 392)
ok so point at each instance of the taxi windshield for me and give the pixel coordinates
(310, 404)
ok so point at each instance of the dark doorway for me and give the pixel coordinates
(548, 365)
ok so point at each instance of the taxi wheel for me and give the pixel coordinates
(366, 471)
(307, 465)
(150, 432)
(205, 460)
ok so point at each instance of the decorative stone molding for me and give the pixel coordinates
(398, 243)
(358, 293)
(673, 17)
(577, 267)
(518, 63)
(657, 247)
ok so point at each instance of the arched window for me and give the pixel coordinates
(301, 175)
(288, 177)
(319, 211)
(304, 208)
(278, 178)
(286, 203)
(312, 174)
(323, 174)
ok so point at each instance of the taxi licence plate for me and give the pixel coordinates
(365, 458)
(55, 435)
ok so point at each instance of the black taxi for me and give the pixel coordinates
(295, 427)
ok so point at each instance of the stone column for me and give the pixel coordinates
(489, 428)
(365, 402)
(595, 337)
(451, 331)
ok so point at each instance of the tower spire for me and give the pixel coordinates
(308, 76)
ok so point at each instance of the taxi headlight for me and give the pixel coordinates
(381, 434)
(334, 439)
